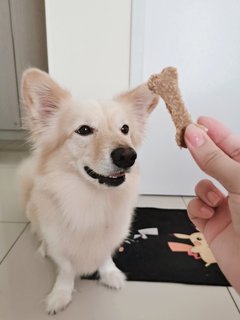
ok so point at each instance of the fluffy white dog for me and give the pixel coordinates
(80, 184)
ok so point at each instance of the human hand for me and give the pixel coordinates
(217, 216)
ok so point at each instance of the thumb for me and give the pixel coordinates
(211, 159)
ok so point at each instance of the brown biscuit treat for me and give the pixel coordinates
(165, 84)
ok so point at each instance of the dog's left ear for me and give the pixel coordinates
(140, 102)
(141, 99)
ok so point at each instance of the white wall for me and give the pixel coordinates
(201, 39)
(89, 45)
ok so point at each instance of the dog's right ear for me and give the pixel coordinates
(41, 96)
(140, 102)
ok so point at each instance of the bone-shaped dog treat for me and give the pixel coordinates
(165, 84)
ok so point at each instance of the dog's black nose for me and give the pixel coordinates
(124, 157)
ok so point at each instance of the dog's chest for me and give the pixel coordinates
(101, 216)
(90, 223)
(92, 227)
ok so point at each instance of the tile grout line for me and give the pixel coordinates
(233, 299)
(26, 222)
(21, 233)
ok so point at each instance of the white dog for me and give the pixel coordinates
(80, 184)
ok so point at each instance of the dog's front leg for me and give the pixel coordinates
(61, 294)
(110, 275)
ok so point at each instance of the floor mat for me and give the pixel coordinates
(165, 246)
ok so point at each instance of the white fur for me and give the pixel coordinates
(78, 221)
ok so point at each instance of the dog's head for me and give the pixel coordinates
(96, 138)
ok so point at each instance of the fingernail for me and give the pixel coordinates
(213, 198)
(194, 136)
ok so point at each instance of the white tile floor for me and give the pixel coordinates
(26, 278)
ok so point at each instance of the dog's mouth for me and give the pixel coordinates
(114, 180)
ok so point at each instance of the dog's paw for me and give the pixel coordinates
(57, 301)
(113, 279)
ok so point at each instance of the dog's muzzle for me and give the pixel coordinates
(123, 158)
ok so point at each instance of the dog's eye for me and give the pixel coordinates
(125, 129)
(84, 130)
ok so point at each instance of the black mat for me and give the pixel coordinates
(158, 251)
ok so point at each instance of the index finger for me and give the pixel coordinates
(212, 160)
(223, 137)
